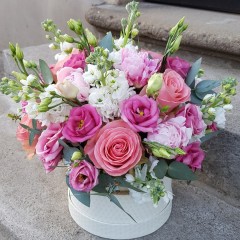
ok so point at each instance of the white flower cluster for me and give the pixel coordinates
(107, 95)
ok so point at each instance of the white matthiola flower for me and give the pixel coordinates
(116, 58)
(228, 107)
(220, 118)
(92, 74)
(30, 79)
(31, 109)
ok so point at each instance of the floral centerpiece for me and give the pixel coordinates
(115, 115)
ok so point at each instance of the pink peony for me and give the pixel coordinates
(73, 76)
(138, 67)
(171, 133)
(116, 148)
(23, 135)
(194, 118)
(140, 112)
(82, 124)
(179, 65)
(193, 157)
(84, 177)
(174, 90)
(48, 148)
(75, 60)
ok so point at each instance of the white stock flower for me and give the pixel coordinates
(30, 79)
(228, 107)
(92, 74)
(66, 47)
(32, 109)
(220, 118)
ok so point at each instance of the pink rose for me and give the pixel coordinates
(179, 65)
(68, 61)
(84, 177)
(82, 124)
(194, 118)
(171, 133)
(116, 148)
(174, 90)
(138, 67)
(140, 112)
(48, 147)
(73, 76)
(23, 135)
(193, 157)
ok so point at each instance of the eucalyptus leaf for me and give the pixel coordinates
(202, 95)
(190, 80)
(161, 169)
(195, 99)
(34, 123)
(123, 183)
(82, 197)
(117, 203)
(178, 170)
(107, 42)
(25, 126)
(207, 85)
(31, 137)
(209, 136)
(46, 72)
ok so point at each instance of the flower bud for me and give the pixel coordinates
(91, 38)
(27, 64)
(68, 38)
(227, 100)
(176, 44)
(42, 108)
(67, 89)
(66, 47)
(154, 84)
(46, 101)
(211, 111)
(16, 99)
(12, 49)
(19, 53)
(181, 22)
(134, 32)
(233, 91)
(179, 151)
(19, 76)
(53, 46)
(161, 152)
(76, 156)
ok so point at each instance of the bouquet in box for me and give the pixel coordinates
(114, 114)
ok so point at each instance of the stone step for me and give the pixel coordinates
(209, 32)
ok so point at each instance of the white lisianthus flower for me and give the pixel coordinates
(66, 47)
(67, 89)
(220, 118)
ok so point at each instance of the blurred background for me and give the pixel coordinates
(20, 21)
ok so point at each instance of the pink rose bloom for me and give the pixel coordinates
(74, 76)
(194, 118)
(23, 136)
(138, 67)
(84, 177)
(179, 65)
(116, 148)
(48, 148)
(140, 112)
(82, 124)
(194, 156)
(174, 90)
(171, 133)
(75, 60)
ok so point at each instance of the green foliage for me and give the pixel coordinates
(190, 80)
(46, 72)
(161, 169)
(107, 42)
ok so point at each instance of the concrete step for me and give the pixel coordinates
(33, 204)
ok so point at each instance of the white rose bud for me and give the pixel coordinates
(67, 89)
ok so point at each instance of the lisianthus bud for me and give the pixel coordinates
(92, 40)
(176, 44)
(154, 84)
(134, 32)
(67, 38)
(19, 53)
(46, 101)
(27, 64)
(42, 108)
(161, 152)
(67, 89)
(19, 76)
(12, 49)
(227, 100)
(76, 156)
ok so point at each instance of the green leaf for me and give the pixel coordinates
(25, 126)
(207, 85)
(161, 169)
(82, 197)
(107, 42)
(123, 183)
(195, 99)
(178, 170)
(31, 137)
(202, 95)
(46, 72)
(34, 123)
(117, 203)
(209, 136)
(190, 80)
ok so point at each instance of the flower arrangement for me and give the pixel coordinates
(115, 115)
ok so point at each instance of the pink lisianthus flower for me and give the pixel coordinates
(172, 133)
(213, 127)
(194, 118)
(194, 156)
(179, 65)
(82, 124)
(140, 112)
(116, 148)
(74, 60)
(137, 66)
(73, 76)
(84, 177)
(48, 148)
(23, 135)
(174, 90)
